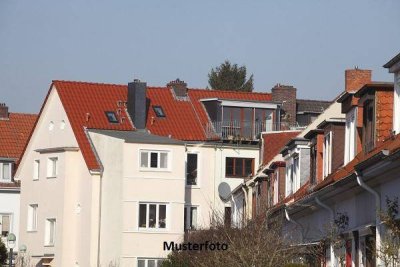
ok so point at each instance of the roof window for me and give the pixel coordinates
(111, 116)
(159, 111)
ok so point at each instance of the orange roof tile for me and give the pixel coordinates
(185, 120)
(274, 142)
(14, 134)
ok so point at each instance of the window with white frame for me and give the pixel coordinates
(5, 171)
(152, 216)
(154, 159)
(32, 217)
(350, 136)
(190, 217)
(5, 224)
(289, 179)
(52, 168)
(295, 173)
(149, 262)
(36, 169)
(50, 232)
(327, 154)
(191, 169)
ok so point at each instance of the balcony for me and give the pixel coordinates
(244, 130)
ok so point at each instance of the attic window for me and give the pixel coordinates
(159, 111)
(111, 116)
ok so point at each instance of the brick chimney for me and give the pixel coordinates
(356, 78)
(287, 95)
(137, 103)
(3, 111)
(179, 87)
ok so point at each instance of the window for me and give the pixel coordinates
(152, 216)
(149, 262)
(396, 111)
(51, 126)
(369, 126)
(5, 224)
(32, 217)
(295, 174)
(228, 216)
(190, 217)
(36, 169)
(239, 167)
(50, 233)
(62, 125)
(5, 171)
(350, 136)
(327, 154)
(191, 169)
(52, 167)
(153, 159)
(111, 116)
(159, 111)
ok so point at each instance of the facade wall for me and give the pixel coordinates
(9, 205)
(55, 196)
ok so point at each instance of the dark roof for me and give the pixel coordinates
(311, 106)
(139, 137)
(373, 86)
(392, 61)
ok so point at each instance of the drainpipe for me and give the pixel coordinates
(331, 214)
(245, 202)
(377, 214)
(296, 223)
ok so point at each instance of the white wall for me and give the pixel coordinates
(9, 204)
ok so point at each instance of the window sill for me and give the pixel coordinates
(193, 186)
(238, 177)
(49, 246)
(31, 231)
(36, 179)
(152, 230)
(51, 177)
(154, 170)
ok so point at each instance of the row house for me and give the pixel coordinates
(15, 130)
(339, 173)
(113, 171)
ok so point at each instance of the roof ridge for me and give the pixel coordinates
(23, 113)
(314, 100)
(228, 91)
(85, 82)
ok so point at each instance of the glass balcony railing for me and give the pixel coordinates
(244, 130)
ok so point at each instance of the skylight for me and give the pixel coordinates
(111, 116)
(159, 111)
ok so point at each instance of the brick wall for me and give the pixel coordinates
(356, 78)
(287, 95)
(3, 111)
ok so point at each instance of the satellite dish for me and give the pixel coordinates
(224, 191)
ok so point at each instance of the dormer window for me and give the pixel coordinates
(368, 126)
(350, 137)
(111, 116)
(159, 111)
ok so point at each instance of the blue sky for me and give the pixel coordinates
(306, 43)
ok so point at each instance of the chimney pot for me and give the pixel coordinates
(3, 111)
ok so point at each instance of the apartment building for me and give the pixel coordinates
(339, 173)
(113, 171)
(15, 130)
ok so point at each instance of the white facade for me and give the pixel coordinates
(9, 213)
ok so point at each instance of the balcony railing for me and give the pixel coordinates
(244, 130)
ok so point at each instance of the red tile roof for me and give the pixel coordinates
(14, 134)
(274, 142)
(185, 120)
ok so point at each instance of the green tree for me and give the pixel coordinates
(230, 77)
(3, 253)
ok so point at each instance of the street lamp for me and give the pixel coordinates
(11, 238)
(22, 250)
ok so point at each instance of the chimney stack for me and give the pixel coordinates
(356, 78)
(3, 111)
(137, 103)
(287, 95)
(179, 87)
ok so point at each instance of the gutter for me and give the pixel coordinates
(331, 214)
(294, 222)
(361, 183)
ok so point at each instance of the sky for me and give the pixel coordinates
(307, 44)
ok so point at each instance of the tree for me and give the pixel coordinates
(230, 77)
(3, 253)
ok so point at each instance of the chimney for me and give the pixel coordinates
(356, 78)
(287, 95)
(179, 87)
(3, 111)
(137, 103)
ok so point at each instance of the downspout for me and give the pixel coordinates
(361, 183)
(294, 222)
(245, 202)
(331, 214)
